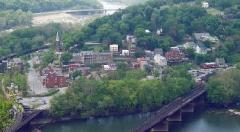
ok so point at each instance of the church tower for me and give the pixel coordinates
(58, 44)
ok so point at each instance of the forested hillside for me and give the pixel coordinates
(45, 5)
(19, 12)
(178, 19)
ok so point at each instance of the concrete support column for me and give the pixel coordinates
(176, 117)
(161, 127)
(188, 108)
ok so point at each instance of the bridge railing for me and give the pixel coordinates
(169, 109)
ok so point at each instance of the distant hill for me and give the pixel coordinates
(46, 5)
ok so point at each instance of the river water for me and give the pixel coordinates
(210, 120)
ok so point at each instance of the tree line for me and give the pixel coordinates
(46, 5)
(88, 98)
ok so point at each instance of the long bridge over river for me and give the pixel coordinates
(159, 122)
(76, 11)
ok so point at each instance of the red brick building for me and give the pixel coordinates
(52, 80)
(174, 56)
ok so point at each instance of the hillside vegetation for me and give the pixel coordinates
(46, 5)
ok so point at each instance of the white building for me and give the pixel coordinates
(110, 67)
(125, 53)
(113, 48)
(201, 49)
(205, 4)
(160, 60)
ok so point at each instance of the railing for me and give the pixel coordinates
(169, 109)
(24, 120)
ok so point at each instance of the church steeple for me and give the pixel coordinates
(57, 38)
(58, 43)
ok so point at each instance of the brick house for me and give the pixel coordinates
(174, 56)
(52, 80)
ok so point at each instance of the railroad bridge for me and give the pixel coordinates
(77, 11)
(23, 119)
(159, 122)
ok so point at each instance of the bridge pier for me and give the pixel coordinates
(189, 108)
(176, 117)
(161, 127)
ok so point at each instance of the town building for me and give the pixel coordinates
(205, 4)
(202, 37)
(16, 64)
(174, 56)
(201, 49)
(131, 42)
(125, 53)
(160, 60)
(110, 67)
(53, 78)
(143, 62)
(113, 48)
(158, 51)
(90, 57)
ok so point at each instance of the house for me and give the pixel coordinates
(113, 48)
(131, 42)
(125, 53)
(158, 51)
(202, 37)
(90, 57)
(201, 49)
(143, 62)
(73, 67)
(174, 56)
(149, 53)
(221, 62)
(53, 78)
(16, 63)
(131, 39)
(135, 65)
(160, 60)
(110, 67)
(84, 70)
(209, 65)
(205, 4)
(189, 45)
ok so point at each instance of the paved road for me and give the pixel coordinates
(34, 81)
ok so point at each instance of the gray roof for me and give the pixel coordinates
(198, 36)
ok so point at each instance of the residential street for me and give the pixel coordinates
(34, 81)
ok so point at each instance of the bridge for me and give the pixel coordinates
(11, 56)
(75, 11)
(159, 122)
(23, 119)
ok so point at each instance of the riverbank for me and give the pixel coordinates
(207, 120)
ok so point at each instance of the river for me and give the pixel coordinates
(67, 18)
(210, 120)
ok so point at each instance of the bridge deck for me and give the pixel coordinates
(25, 120)
(169, 109)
